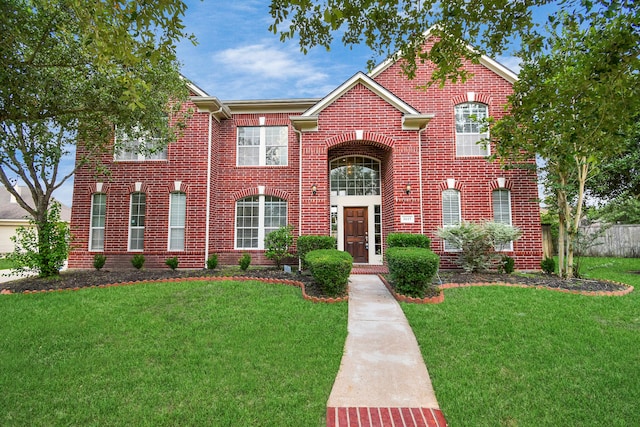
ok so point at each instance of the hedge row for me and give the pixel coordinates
(408, 240)
(307, 244)
(412, 269)
(331, 269)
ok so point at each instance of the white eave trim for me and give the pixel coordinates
(211, 104)
(304, 123)
(369, 83)
(416, 121)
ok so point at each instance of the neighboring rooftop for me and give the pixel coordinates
(11, 210)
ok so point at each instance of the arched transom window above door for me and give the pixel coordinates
(355, 176)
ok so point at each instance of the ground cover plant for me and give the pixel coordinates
(185, 353)
(530, 357)
(6, 264)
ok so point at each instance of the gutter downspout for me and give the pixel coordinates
(299, 132)
(208, 203)
(420, 178)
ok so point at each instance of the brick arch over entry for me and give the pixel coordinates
(370, 138)
(268, 191)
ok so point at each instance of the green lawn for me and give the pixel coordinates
(220, 353)
(5, 264)
(502, 356)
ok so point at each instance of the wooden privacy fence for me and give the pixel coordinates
(619, 240)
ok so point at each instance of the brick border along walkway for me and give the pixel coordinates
(383, 417)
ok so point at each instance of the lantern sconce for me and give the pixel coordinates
(314, 189)
(408, 189)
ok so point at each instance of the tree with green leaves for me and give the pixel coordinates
(395, 28)
(76, 71)
(572, 106)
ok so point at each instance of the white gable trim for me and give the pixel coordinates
(369, 83)
(489, 63)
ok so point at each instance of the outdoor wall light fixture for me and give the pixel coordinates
(314, 189)
(408, 189)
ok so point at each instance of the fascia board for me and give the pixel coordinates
(211, 104)
(416, 121)
(265, 106)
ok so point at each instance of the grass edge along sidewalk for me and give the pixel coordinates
(525, 356)
(184, 353)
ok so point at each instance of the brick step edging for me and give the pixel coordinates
(384, 417)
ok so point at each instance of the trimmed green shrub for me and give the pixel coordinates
(412, 269)
(331, 269)
(98, 261)
(307, 244)
(212, 262)
(408, 240)
(244, 261)
(137, 261)
(172, 262)
(548, 265)
(277, 244)
(507, 265)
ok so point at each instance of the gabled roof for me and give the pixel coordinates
(489, 63)
(11, 210)
(411, 117)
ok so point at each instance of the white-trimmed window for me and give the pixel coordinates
(450, 214)
(257, 216)
(137, 219)
(98, 214)
(177, 219)
(139, 149)
(501, 200)
(470, 129)
(262, 146)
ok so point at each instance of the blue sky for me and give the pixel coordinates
(237, 57)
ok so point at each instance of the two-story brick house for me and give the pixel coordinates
(374, 156)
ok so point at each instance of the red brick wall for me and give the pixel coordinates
(357, 110)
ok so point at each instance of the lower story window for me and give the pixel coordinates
(98, 211)
(501, 201)
(450, 214)
(136, 223)
(177, 210)
(257, 216)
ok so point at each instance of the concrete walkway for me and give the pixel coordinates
(383, 380)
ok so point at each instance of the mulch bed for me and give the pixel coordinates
(74, 279)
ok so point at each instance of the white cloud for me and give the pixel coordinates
(268, 62)
(511, 62)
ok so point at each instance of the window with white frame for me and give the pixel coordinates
(450, 214)
(137, 219)
(177, 219)
(98, 214)
(262, 146)
(140, 148)
(470, 130)
(257, 216)
(501, 200)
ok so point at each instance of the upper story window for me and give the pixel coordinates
(140, 148)
(355, 176)
(263, 146)
(470, 129)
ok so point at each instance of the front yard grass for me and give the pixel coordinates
(531, 357)
(193, 353)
